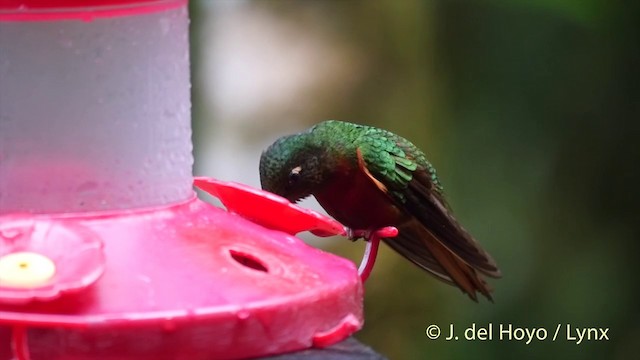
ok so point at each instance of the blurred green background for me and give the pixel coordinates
(528, 109)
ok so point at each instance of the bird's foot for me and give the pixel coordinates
(355, 235)
(372, 238)
(385, 232)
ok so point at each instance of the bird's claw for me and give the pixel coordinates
(385, 232)
(355, 235)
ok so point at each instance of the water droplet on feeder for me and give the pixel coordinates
(11, 233)
(87, 186)
(66, 43)
(169, 325)
(243, 314)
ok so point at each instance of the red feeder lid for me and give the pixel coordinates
(186, 281)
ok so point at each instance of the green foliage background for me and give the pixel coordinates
(530, 112)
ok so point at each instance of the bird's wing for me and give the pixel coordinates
(402, 171)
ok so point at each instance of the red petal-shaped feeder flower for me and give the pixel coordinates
(44, 259)
(267, 209)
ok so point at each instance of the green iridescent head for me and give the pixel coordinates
(292, 167)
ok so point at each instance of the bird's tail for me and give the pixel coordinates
(421, 247)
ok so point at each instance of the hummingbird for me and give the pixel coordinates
(369, 178)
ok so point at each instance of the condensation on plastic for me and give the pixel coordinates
(90, 112)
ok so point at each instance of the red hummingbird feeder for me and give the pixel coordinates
(105, 251)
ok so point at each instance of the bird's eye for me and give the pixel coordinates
(294, 175)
